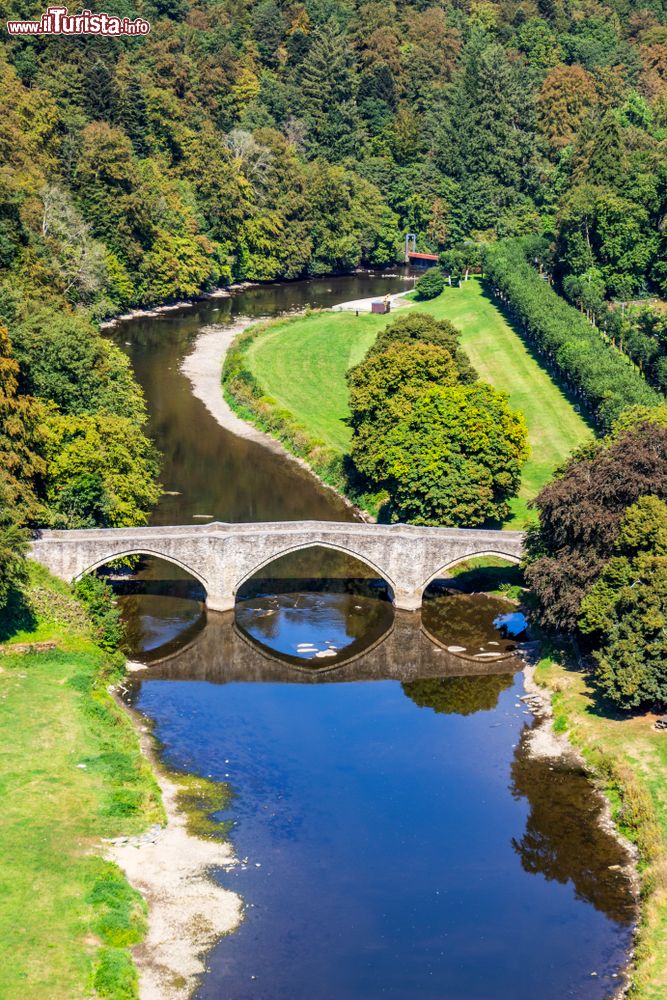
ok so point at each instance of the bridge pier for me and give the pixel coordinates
(408, 600)
(220, 602)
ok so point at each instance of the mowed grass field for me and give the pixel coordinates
(502, 358)
(302, 365)
(70, 773)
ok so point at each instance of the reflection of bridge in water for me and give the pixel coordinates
(221, 654)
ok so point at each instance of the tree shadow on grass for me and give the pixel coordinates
(16, 616)
(478, 578)
(575, 661)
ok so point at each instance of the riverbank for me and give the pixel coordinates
(627, 757)
(72, 775)
(99, 893)
(159, 310)
(203, 368)
(188, 912)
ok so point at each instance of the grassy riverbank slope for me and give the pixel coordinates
(298, 371)
(629, 758)
(71, 773)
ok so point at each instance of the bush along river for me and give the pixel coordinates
(402, 826)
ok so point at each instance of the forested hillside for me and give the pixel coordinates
(271, 139)
(275, 139)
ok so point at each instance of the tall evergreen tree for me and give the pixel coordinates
(329, 91)
(102, 93)
(605, 163)
(133, 114)
(488, 141)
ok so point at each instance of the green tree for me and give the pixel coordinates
(625, 611)
(328, 87)
(418, 326)
(101, 470)
(454, 456)
(64, 359)
(101, 606)
(445, 452)
(403, 366)
(488, 140)
(605, 162)
(21, 436)
(102, 93)
(431, 284)
(13, 543)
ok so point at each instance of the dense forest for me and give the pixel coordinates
(256, 141)
(272, 139)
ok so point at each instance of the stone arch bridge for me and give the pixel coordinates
(224, 556)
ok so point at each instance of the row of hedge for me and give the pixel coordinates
(592, 370)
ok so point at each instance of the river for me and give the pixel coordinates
(397, 836)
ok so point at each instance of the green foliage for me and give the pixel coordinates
(13, 545)
(430, 285)
(626, 610)
(445, 452)
(116, 975)
(418, 326)
(581, 512)
(591, 368)
(120, 910)
(21, 436)
(98, 598)
(101, 470)
(63, 358)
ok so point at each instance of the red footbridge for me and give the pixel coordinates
(413, 257)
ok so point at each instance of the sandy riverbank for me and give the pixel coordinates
(188, 912)
(203, 369)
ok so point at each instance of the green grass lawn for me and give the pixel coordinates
(629, 758)
(502, 358)
(302, 365)
(70, 773)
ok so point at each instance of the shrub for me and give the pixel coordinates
(431, 284)
(100, 603)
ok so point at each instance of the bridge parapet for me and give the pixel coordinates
(222, 556)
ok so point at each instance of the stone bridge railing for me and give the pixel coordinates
(224, 556)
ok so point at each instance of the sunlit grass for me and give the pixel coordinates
(70, 774)
(301, 365)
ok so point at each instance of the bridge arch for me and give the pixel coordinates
(144, 551)
(317, 545)
(508, 557)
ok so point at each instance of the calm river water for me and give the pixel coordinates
(397, 839)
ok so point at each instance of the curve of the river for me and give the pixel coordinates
(398, 837)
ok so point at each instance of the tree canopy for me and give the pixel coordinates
(445, 450)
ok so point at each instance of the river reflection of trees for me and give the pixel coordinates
(458, 695)
(564, 840)
(460, 619)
